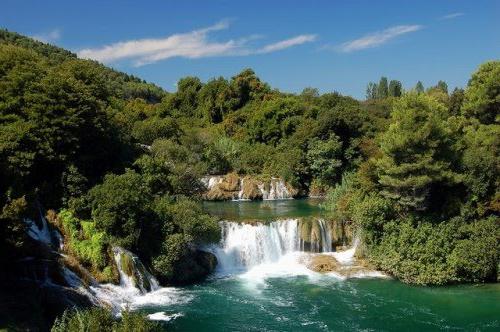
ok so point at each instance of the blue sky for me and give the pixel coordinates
(329, 45)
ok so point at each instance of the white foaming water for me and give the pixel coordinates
(258, 252)
(129, 294)
(245, 246)
(347, 256)
(277, 190)
(39, 234)
(163, 316)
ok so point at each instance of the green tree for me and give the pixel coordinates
(419, 88)
(441, 85)
(482, 96)
(415, 151)
(382, 88)
(325, 158)
(215, 100)
(371, 91)
(395, 88)
(456, 101)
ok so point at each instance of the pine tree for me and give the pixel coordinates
(419, 88)
(383, 89)
(414, 151)
(371, 91)
(395, 88)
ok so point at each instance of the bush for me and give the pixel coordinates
(99, 319)
(86, 243)
(424, 253)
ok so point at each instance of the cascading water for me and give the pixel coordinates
(132, 272)
(277, 190)
(244, 246)
(277, 249)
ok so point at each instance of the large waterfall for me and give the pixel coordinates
(244, 246)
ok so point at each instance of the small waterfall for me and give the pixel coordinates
(347, 256)
(326, 236)
(133, 274)
(41, 234)
(211, 181)
(277, 190)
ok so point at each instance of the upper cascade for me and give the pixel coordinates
(234, 187)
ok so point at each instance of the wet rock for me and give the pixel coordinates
(250, 189)
(322, 263)
(195, 266)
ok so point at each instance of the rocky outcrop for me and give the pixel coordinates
(321, 235)
(195, 266)
(234, 187)
(322, 263)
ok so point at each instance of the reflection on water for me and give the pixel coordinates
(264, 210)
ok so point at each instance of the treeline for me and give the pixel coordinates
(427, 198)
(394, 88)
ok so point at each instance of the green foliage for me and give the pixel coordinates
(119, 208)
(415, 151)
(481, 162)
(482, 97)
(99, 319)
(13, 229)
(419, 88)
(382, 88)
(324, 158)
(153, 128)
(395, 88)
(188, 216)
(84, 241)
(450, 252)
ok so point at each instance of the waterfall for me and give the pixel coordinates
(211, 181)
(41, 234)
(224, 187)
(277, 190)
(133, 274)
(326, 236)
(244, 246)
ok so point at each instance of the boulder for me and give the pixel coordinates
(322, 263)
(218, 194)
(193, 267)
(250, 188)
(231, 182)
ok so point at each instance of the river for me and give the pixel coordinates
(261, 285)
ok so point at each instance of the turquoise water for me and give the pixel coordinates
(264, 210)
(327, 304)
(281, 297)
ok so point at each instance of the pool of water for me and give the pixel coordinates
(324, 303)
(283, 295)
(264, 210)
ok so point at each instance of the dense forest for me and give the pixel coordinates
(112, 160)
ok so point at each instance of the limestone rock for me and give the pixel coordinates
(322, 263)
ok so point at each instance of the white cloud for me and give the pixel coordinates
(451, 16)
(48, 37)
(377, 38)
(301, 39)
(192, 45)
